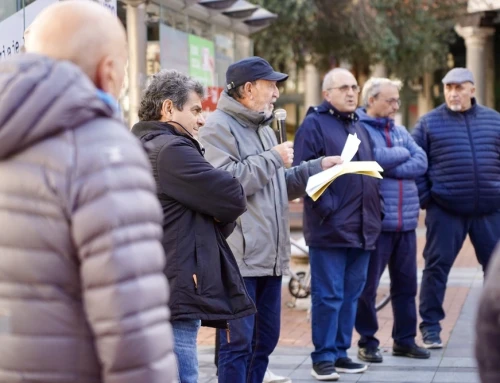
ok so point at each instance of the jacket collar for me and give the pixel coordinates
(148, 130)
(246, 117)
(472, 110)
(376, 122)
(326, 107)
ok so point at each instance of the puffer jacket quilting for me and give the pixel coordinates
(82, 291)
(403, 161)
(463, 150)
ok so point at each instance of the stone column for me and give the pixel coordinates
(490, 72)
(476, 42)
(137, 47)
(425, 95)
(312, 86)
(378, 70)
(243, 47)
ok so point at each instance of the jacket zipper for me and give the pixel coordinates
(474, 161)
(400, 206)
(195, 279)
(276, 199)
(228, 333)
(400, 184)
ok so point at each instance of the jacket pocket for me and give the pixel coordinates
(197, 278)
(247, 236)
(325, 205)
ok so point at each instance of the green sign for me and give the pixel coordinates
(201, 60)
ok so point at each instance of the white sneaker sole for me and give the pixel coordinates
(277, 380)
(433, 346)
(325, 378)
(351, 370)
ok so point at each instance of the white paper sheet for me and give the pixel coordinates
(317, 183)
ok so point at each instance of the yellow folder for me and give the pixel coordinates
(319, 182)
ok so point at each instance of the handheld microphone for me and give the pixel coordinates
(280, 115)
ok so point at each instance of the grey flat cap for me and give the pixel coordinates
(458, 76)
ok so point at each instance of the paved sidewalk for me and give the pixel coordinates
(455, 363)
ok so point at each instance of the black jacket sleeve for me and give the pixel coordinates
(187, 177)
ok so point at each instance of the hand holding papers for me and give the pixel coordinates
(318, 183)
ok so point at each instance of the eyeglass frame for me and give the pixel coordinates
(345, 88)
(392, 101)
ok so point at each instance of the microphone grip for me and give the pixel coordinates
(282, 131)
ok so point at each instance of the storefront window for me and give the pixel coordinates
(174, 19)
(15, 17)
(200, 28)
(7, 8)
(224, 54)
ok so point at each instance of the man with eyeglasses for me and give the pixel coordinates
(460, 190)
(341, 227)
(403, 161)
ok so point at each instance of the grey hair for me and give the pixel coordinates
(328, 79)
(168, 84)
(373, 85)
(237, 93)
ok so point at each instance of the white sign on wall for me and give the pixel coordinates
(12, 28)
(110, 4)
(482, 5)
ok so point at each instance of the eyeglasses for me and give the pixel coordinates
(393, 101)
(345, 88)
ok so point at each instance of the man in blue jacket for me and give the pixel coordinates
(341, 227)
(403, 161)
(460, 190)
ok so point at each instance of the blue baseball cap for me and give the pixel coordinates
(458, 76)
(251, 69)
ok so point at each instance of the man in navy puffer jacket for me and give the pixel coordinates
(403, 161)
(460, 190)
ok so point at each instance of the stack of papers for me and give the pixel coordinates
(318, 183)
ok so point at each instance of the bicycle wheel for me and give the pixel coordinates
(382, 302)
(296, 286)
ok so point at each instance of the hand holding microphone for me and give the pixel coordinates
(285, 151)
(280, 115)
(285, 148)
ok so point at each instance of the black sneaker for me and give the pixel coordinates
(432, 340)
(412, 351)
(347, 366)
(324, 371)
(370, 355)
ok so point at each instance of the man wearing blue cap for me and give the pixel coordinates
(460, 190)
(237, 138)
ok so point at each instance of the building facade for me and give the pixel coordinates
(198, 37)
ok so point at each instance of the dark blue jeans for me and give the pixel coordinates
(338, 276)
(446, 234)
(399, 251)
(253, 338)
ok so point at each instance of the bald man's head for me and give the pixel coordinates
(341, 90)
(86, 34)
